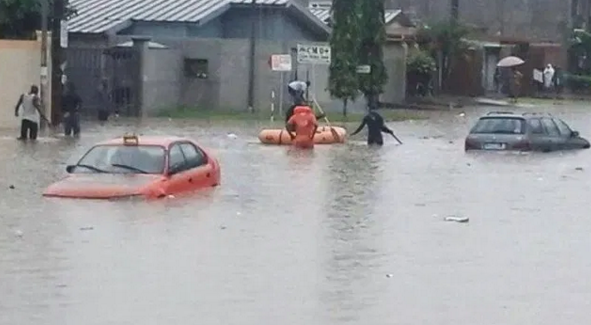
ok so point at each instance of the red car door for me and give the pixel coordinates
(177, 179)
(199, 172)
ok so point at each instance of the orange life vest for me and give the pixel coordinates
(304, 123)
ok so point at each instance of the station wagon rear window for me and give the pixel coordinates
(499, 125)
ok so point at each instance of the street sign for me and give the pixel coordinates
(313, 53)
(280, 62)
(64, 34)
(364, 69)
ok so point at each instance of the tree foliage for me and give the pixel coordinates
(579, 52)
(19, 19)
(343, 81)
(358, 37)
(446, 38)
(373, 39)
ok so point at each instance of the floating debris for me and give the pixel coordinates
(170, 196)
(223, 227)
(579, 169)
(389, 275)
(232, 136)
(86, 228)
(11, 187)
(457, 219)
(18, 233)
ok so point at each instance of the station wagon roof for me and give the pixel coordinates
(151, 140)
(502, 115)
(508, 114)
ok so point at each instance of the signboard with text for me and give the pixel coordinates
(64, 34)
(280, 62)
(313, 53)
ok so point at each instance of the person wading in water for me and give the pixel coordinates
(71, 103)
(375, 127)
(28, 109)
(304, 124)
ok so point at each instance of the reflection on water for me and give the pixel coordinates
(304, 237)
(351, 231)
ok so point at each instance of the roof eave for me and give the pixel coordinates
(319, 24)
(119, 27)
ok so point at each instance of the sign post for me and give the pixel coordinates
(280, 63)
(312, 55)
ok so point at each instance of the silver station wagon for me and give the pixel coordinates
(523, 132)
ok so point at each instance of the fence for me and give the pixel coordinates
(87, 68)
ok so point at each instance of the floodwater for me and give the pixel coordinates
(343, 235)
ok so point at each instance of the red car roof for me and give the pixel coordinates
(151, 140)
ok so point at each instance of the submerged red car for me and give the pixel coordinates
(139, 166)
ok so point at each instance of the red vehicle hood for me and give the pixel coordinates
(103, 186)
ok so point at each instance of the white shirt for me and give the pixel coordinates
(28, 111)
(298, 85)
(548, 75)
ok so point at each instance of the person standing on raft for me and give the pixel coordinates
(297, 90)
(375, 127)
(304, 124)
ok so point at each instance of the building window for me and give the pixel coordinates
(196, 68)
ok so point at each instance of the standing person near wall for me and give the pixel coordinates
(103, 100)
(71, 104)
(516, 84)
(28, 108)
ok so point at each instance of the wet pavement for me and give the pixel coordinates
(343, 235)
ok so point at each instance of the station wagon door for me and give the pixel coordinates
(540, 140)
(555, 141)
(568, 141)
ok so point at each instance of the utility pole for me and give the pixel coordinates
(57, 58)
(252, 59)
(44, 72)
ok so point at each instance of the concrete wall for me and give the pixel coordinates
(20, 67)
(227, 84)
(538, 20)
(162, 80)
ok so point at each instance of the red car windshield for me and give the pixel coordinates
(120, 159)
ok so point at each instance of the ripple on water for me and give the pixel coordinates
(344, 235)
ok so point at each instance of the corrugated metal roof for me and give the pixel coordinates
(97, 16)
(324, 14)
(263, 2)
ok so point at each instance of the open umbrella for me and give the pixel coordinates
(510, 61)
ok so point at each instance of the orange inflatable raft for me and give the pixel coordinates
(324, 135)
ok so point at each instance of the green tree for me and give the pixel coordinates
(445, 40)
(19, 19)
(371, 53)
(343, 80)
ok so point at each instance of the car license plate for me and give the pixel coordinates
(494, 146)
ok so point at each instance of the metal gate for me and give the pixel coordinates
(118, 68)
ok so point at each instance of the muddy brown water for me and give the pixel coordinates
(343, 235)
